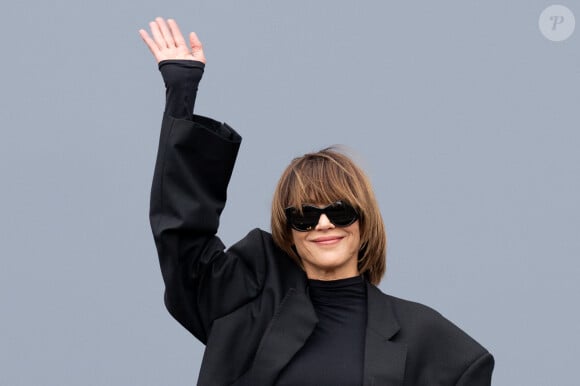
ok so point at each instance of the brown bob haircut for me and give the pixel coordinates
(324, 177)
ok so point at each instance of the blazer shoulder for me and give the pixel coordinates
(255, 241)
(436, 347)
(427, 327)
(259, 244)
(407, 309)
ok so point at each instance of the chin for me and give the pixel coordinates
(325, 266)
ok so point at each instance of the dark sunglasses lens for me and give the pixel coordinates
(305, 221)
(341, 214)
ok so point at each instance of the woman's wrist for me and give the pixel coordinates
(181, 78)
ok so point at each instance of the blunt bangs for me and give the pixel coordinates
(321, 180)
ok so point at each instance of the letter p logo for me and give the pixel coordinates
(557, 23)
(557, 20)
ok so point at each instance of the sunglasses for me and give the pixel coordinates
(339, 213)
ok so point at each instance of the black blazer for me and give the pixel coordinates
(250, 306)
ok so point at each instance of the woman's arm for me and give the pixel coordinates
(181, 68)
(181, 78)
(194, 164)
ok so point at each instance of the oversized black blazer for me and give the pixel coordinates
(250, 306)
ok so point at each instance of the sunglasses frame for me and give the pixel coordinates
(292, 211)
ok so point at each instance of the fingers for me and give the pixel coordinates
(196, 47)
(150, 43)
(165, 32)
(157, 35)
(166, 41)
(194, 42)
(176, 33)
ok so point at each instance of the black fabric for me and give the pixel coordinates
(334, 353)
(181, 79)
(250, 305)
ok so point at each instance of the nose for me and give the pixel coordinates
(324, 223)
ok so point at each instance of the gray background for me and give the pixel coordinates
(463, 114)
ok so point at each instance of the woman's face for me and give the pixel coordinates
(329, 252)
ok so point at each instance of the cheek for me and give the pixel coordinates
(297, 241)
(355, 232)
(302, 249)
(293, 236)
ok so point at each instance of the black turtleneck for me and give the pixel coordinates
(334, 353)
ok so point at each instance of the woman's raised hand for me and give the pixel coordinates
(168, 42)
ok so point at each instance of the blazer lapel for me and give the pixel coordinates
(384, 359)
(286, 334)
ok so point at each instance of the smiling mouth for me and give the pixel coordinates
(327, 240)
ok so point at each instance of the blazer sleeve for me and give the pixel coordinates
(479, 372)
(194, 164)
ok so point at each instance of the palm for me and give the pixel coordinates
(168, 42)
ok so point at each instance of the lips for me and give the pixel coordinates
(327, 240)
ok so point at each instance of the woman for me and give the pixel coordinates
(298, 306)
